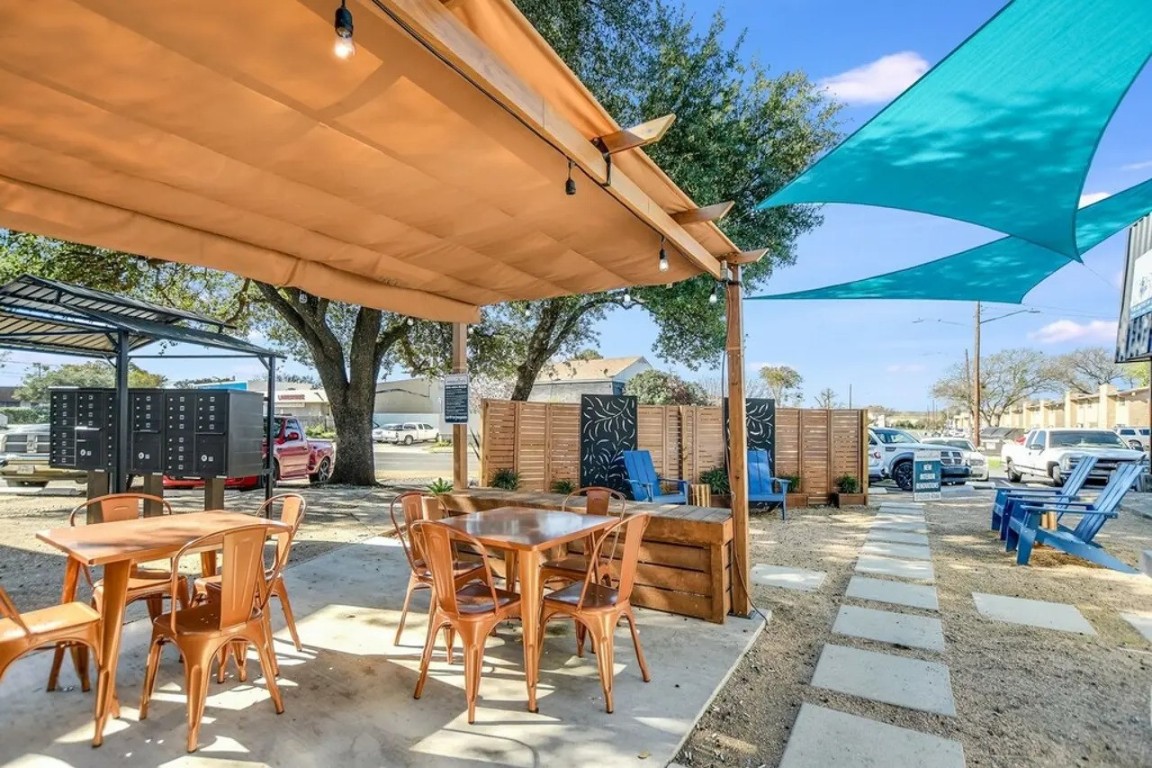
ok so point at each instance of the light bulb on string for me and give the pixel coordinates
(627, 298)
(715, 295)
(663, 256)
(344, 48)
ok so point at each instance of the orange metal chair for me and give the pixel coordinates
(75, 624)
(147, 584)
(471, 611)
(574, 567)
(420, 576)
(237, 617)
(598, 608)
(292, 507)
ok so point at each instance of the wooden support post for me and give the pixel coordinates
(214, 493)
(738, 446)
(153, 486)
(460, 431)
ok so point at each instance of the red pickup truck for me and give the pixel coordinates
(295, 457)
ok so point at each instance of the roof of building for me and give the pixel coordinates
(600, 369)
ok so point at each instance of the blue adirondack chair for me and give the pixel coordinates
(1008, 497)
(1024, 529)
(647, 485)
(761, 484)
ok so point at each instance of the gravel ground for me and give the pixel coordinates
(1024, 696)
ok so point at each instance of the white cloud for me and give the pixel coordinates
(1093, 197)
(906, 368)
(1137, 166)
(1098, 331)
(878, 81)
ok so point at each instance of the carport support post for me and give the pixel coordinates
(120, 439)
(270, 430)
(460, 431)
(737, 445)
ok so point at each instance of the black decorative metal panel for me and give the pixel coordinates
(761, 421)
(607, 428)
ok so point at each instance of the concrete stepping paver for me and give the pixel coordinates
(1032, 613)
(901, 511)
(895, 549)
(787, 578)
(895, 592)
(886, 534)
(890, 627)
(1141, 621)
(825, 738)
(910, 683)
(906, 526)
(918, 570)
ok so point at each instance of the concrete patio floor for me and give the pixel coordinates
(348, 695)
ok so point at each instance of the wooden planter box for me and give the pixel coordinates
(797, 500)
(722, 501)
(850, 499)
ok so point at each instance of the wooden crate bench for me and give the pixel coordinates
(684, 561)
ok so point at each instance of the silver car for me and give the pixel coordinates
(972, 457)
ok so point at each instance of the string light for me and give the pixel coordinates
(663, 256)
(627, 298)
(303, 297)
(344, 47)
(715, 296)
(570, 185)
(411, 321)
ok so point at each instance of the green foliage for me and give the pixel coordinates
(660, 388)
(782, 382)
(794, 482)
(40, 378)
(716, 479)
(25, 415)
(847, 484)
(439, 486)
(563, 486)
(1136, 374)
(319, 431)
(506, 479)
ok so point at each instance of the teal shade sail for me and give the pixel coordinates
(1002, 131)
(1001, 271)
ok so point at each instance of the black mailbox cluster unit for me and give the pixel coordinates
(82, 428)
(179, 432)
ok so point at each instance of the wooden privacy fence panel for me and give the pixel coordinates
(541, 443)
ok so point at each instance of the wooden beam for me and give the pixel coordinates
(460, 431)
(745, 257)
(637, 136)
(738, 447)
(713, 212)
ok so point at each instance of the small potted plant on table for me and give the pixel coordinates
(848, 492)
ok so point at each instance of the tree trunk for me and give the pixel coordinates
(350, 385)
(556, 321)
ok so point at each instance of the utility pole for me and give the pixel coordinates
(976, 381)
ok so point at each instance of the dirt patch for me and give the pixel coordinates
(1024, 696)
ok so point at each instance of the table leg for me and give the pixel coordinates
(115, 596)
(67, 595)
(530, 605)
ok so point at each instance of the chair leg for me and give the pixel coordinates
(636, 644)
(426, 659)
(404, 611)
(268, 666)
(80, 662)
(57, 663)
(196, 669)
(602, 627)
(271, 644)
(281, 592)
(1024, 546)
(474, 636)
(150, 676)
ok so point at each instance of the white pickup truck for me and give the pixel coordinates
(1053, 453)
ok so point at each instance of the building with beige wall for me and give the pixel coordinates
(1104, 409)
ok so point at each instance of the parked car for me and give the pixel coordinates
(294, 457)
(416, 432)
(897, 449)
(992, 439)
(1136, 437)
(386, 433)
(976, 461)
(1052, 453)
(24, 448)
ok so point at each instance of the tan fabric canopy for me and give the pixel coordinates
(425, 175)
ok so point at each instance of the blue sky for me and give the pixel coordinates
(870, 51)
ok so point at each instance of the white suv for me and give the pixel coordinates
(1136, 437)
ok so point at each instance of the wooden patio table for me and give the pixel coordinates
(528, 533)
(116, 546)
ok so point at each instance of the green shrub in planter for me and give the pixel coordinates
(506, 479)
(847, 484)
(563, 486)
(716, 479)
(439, 486)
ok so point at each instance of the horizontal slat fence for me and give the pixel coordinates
(541, 443)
